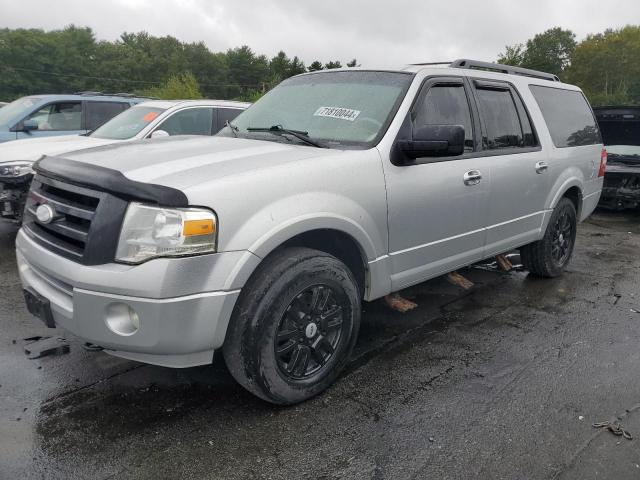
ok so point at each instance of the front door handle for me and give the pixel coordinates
(472, 177)
(541, 167)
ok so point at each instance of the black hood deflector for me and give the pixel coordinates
(108, 180)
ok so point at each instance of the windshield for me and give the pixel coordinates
(9, 112)
(339, 109)
(127, 124)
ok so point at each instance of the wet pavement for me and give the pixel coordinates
(502, 381)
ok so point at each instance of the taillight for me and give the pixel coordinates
(603, 162)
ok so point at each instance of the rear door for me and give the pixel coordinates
(437, 212)
(98, 113)
(519, 167)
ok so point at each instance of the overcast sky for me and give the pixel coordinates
(376, 32)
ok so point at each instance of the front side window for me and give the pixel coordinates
(128, 124)
(63, 116)
(98, 113)
(191, 121)
(336, 109)
(567, 115)
(500, 117)
(446, 105)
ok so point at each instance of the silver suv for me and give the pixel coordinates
(336, 187)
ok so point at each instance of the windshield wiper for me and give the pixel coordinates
(279, 130)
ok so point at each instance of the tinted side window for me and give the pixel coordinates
(446, 105)
(225, 115)
(59, 116)
(191, 121)
(500, 117)
(98, 113)
(567, 115)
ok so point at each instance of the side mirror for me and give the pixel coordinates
(29, 125)
(159, 134)
(434, 141)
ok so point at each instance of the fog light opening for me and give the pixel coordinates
(121, 319)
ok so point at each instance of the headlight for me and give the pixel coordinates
(15, 169)
(150, 232)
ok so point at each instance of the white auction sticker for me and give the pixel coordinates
(337, 112)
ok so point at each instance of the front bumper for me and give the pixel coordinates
(183, 304)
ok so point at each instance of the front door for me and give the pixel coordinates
(59, 118)
(437, 207)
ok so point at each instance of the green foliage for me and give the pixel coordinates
(513, 55)
(315, 66)
(549, 51)
(607, 66)
(181, 86)
(333, 64)
(34, 61)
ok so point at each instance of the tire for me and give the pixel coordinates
(549, 256)
(294, 326)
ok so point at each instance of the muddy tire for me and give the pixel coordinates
(294, 326)
(549, 256)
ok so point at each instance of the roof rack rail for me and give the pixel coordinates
(424, 64)
(88, 92)
(498, 67)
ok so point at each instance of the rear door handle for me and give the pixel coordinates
(472, 177)
(541, 167)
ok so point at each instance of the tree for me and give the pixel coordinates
(549, 51)
(333, 64)
(513, 55)
(315, 66)
(352, 63)
(181, 86)
(607, 66)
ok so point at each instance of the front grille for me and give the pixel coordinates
(85, 224)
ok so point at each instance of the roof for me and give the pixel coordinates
(98, 98)
(457, 67)
(165, 104)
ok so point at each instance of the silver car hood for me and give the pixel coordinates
(181, 162)
(31, 149)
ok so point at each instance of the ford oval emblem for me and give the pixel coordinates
(45, 214)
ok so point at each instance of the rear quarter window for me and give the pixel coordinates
(568, 116)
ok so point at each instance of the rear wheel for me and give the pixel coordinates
(549, 256)
(294, 326)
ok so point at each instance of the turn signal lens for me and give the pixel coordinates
(198, 227)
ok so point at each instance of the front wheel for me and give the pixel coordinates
(294, 326)
(549, 256)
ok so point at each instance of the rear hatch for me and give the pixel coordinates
(620, 127)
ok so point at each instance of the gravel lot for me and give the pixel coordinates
(502, 381)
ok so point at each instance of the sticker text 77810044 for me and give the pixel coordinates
(337, 112)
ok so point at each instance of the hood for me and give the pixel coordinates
(34, 148)
(180, 162)
(619, 125)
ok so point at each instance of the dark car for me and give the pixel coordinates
(620, 127)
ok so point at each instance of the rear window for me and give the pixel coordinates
(568, 116)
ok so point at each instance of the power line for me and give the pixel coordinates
(73, 75)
